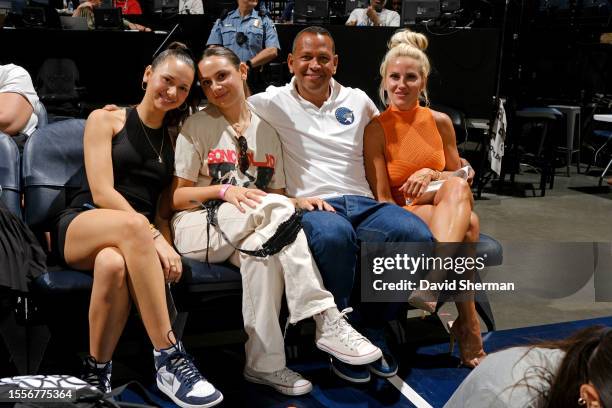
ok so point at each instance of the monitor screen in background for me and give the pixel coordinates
(414, 10)
(17, 6)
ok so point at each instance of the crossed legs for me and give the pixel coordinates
(119, 247)
(451, 219)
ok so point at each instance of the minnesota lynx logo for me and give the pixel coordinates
(345, 116)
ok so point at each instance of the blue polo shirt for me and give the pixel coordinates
(260, 33)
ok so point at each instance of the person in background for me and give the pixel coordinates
(287, 16)
(191, 7)
(128, 7)
(117, 225)
(251, 35)
(396, 5)
(375, 15)
(574, 372)
(18, 101)
(85, 9)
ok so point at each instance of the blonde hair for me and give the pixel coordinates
(406, 43)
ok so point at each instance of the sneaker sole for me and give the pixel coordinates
(351, 360)
(303, 390)
(380, 373)
(169, 394)
(351, 379)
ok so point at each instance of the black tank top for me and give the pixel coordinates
(138, 174)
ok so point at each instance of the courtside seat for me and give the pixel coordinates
(200, 277)
(494, 250)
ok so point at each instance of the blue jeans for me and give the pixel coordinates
(334, 241)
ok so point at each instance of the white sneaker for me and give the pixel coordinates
(338, 338)
(179, 379)
(285, 381)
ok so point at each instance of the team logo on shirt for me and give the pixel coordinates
(345, 116)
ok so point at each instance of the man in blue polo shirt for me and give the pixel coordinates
(251, 35)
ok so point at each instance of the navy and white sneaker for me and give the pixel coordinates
(357, 374)
(97, 374)
(179, 379)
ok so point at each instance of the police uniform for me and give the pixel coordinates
(259, 31)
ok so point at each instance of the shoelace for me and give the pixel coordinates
(181, 364)
(286, 375)
(96, 377)
(351, 337)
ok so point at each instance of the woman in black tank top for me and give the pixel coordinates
(125, 239)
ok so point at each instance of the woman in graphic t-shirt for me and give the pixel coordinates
(226, 155)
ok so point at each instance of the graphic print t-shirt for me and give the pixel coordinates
(207, 152)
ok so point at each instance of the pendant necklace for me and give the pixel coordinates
(161, 149)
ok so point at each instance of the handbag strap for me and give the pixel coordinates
(285, 234)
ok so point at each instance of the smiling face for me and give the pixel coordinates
(169, 83)
(313, 63)
(404, 82)
(222, 82)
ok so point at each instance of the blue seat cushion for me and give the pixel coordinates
(201, 277)
(197, 277)
(62, 281)
(493, 249)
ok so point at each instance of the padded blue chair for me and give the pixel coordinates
(10, 174)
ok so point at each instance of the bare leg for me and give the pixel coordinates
(452, 208)
(451, 219)
(92, 231)
(109, 306)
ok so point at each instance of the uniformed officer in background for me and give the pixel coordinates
(251, 35)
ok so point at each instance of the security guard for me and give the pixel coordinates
(251, 35)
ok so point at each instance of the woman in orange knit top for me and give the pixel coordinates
(407, 147)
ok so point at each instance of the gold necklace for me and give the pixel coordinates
(161, 149)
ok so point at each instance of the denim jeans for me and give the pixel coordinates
(334, 240)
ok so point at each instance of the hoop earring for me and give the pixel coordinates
(183, 107)
(581, 401)
(143, 85)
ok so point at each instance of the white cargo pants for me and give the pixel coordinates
(292, 270)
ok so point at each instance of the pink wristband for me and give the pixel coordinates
(223, 190)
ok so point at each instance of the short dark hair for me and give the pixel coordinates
(314, 30)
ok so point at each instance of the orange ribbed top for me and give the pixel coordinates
(412, 142)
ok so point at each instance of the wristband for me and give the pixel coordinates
(223, 190)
